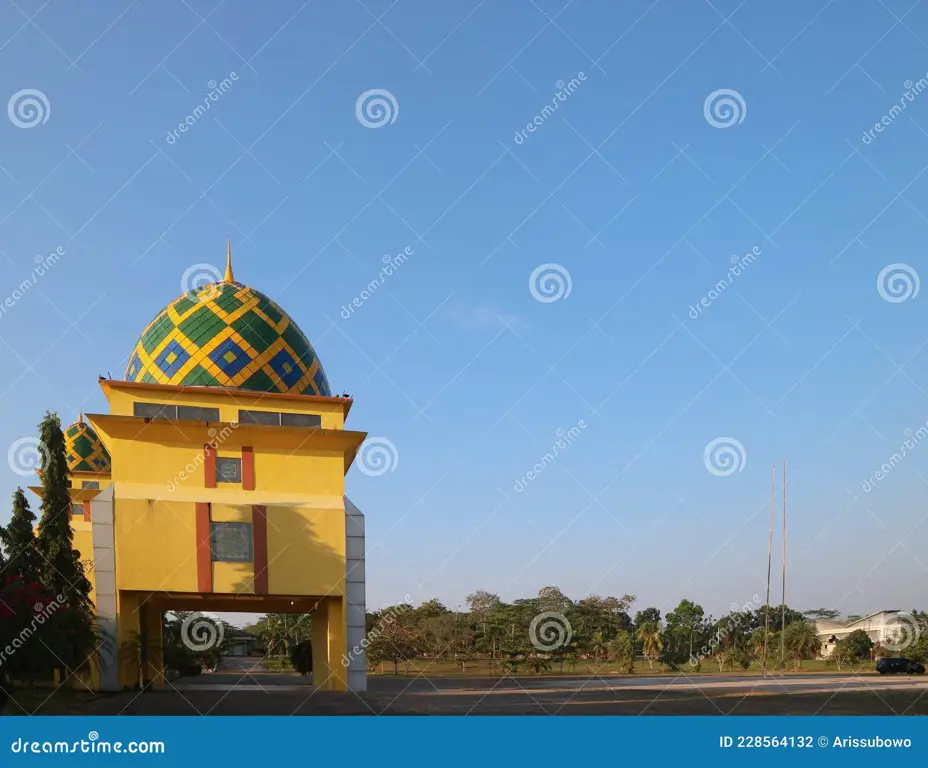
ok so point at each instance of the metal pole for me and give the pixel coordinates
(783, 607)
(769, 562)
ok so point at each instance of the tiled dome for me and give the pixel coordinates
(84, 450)
(227, 335)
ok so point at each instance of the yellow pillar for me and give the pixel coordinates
(337, 639)
(320, 642)
(127, 638)
(150, 620)
(328, 630)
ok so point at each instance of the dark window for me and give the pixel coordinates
(300, 420)
(77, 510)
(259, 417)
(231, 542)
(228, 470)
(195, 413)
(154, 410)
(91, 485)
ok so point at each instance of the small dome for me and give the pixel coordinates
(84, 450)
(227, 335)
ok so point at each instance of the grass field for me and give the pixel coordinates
(490, 668)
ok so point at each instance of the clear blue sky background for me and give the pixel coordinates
(453, 360)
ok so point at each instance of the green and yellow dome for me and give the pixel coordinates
(226, 334)
(83, 449)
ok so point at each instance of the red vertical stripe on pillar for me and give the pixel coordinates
(259, 542)
(248, 469)
(86, 506)
(209, 466)
(204, 549)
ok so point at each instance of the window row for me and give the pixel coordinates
(197, 413)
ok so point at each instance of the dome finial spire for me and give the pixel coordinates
(229, 277)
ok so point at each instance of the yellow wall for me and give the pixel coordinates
(155, 545)
(83, 543)
(159, 476)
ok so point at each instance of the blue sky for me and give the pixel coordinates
(627, 188)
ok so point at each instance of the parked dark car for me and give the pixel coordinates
(899, 666)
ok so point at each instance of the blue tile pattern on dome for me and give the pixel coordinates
(227, 335)
(84, 451)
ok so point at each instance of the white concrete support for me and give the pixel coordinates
(355, 591)
(102, 523)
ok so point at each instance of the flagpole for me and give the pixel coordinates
(783, 606)
(773, 490)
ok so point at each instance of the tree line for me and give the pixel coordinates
(47, 620)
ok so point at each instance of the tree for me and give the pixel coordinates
(858, 644)
(648, 616)
(395, 637)
(651, 639)
(686, 620)
(622, 649)
(19, 540)
(56, 538)
(822, 613)
(801, 642)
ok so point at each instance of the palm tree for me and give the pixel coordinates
(598, 645)
(652, 641)
(801, 641)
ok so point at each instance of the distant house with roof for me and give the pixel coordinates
(882, 627)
